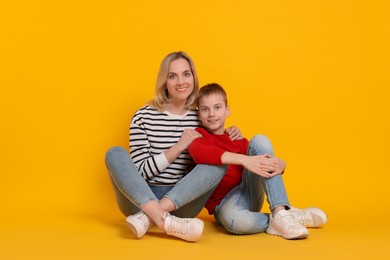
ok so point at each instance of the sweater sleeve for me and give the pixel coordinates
(147, 164)
(203, 151)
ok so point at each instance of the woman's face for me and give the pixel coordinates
(180, 81)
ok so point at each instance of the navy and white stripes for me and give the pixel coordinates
(153, 132)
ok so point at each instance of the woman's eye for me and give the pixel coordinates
(187, 74)
(171, 76)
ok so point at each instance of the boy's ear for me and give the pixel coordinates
(228, 111)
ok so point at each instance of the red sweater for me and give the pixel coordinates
(208, 150)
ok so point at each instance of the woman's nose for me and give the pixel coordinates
(180, 80)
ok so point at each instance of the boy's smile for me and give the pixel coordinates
(213, 113)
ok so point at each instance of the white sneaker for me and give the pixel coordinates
(139, 223)
(284, 224)
(309, 217)
(189, 229)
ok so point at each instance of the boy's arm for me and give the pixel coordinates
(204, 153)
(252, 163)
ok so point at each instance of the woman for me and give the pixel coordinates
(157, 179)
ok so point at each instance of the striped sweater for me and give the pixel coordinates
(153, 132)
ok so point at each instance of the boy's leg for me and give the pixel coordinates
(281, 223)
(274, 187)
(239, 212)
(276, 191)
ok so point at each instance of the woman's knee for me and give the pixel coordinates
(113, 152)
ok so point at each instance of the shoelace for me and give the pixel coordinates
(304, 219)
(290, 219)
(178, 225)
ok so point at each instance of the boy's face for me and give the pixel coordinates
(213, 113)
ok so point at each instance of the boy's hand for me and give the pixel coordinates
(264, 165)
(234, 133)
(254, 165)
(272, 164)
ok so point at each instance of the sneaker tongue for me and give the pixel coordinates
(282, 213)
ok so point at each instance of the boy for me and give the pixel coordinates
(252, 171)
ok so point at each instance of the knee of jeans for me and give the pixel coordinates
(241, 223)
(261, 140)
(113, 151)
(260, 144)
(226, 219)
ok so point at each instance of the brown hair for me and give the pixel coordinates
(212, 88)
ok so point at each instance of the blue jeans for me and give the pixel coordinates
(132, 191)
(239, 210)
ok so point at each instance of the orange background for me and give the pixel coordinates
(311, 75)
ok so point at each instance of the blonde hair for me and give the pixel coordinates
(161, 95)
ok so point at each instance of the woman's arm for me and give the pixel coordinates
(154, 147)
(186, 139)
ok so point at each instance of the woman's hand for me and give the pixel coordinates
(187, 137)
(185, 140)
(234, 133)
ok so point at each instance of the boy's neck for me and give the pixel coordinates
(217, 132)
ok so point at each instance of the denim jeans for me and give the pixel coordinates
(239, 210)
(132, 191)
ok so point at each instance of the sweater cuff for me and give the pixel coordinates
(161, 161)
